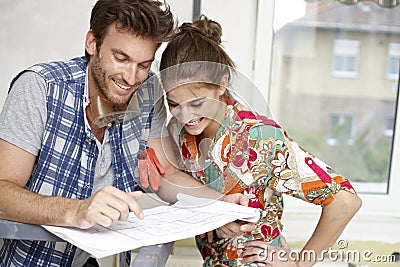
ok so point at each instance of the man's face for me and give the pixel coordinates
(120, 65)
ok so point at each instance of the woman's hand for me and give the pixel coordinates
(229, 230)
(265, 254)
(235, 228)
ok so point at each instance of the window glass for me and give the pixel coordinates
(334, 84)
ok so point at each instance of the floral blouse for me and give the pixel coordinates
(253, 155)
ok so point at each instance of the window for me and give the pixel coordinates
(393, 61)
(345, 58)
(348, 123)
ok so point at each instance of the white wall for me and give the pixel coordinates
(37, 31)
(238, 18)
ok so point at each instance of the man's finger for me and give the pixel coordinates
(134, 206)
(136, 194)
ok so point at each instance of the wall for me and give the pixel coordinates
(37, 31)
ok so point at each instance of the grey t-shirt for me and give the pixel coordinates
(23, 116)
(22, 123)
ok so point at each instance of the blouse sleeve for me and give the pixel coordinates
(282, 165)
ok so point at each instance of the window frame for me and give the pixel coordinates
(339, 45)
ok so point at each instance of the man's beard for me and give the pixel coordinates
(100, 79)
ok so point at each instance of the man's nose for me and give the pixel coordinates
(130, 74)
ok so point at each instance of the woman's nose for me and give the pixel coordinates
(183, 113)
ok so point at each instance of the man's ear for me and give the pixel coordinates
(90, 43)
(224, 84)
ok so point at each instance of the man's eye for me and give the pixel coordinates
(144, 66)
(120, 58)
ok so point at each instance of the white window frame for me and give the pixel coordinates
(345, 49)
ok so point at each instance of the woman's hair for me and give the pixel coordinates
(198, 42)
(144, 18)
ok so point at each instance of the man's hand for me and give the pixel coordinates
(150, 169)
(106, 206)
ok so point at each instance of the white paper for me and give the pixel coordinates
(188, 217)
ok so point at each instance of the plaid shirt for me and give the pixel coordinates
(66, 163)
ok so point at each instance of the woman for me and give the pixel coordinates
(232, 149)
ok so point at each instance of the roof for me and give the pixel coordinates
(364, 16)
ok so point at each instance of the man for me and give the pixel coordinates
(59, 165)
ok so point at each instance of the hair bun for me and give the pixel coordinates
(206, 27)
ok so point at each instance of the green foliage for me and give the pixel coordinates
(366, 159)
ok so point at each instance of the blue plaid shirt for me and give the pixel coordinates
(66, 163)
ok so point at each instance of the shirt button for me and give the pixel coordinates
(88, 186)
(70, 250)
(118, 175)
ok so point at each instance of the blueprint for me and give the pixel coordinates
(188, 217)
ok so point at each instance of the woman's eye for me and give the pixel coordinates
(196, 104)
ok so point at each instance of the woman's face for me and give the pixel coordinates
(199, 107)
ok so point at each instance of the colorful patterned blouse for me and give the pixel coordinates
(253, 155)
